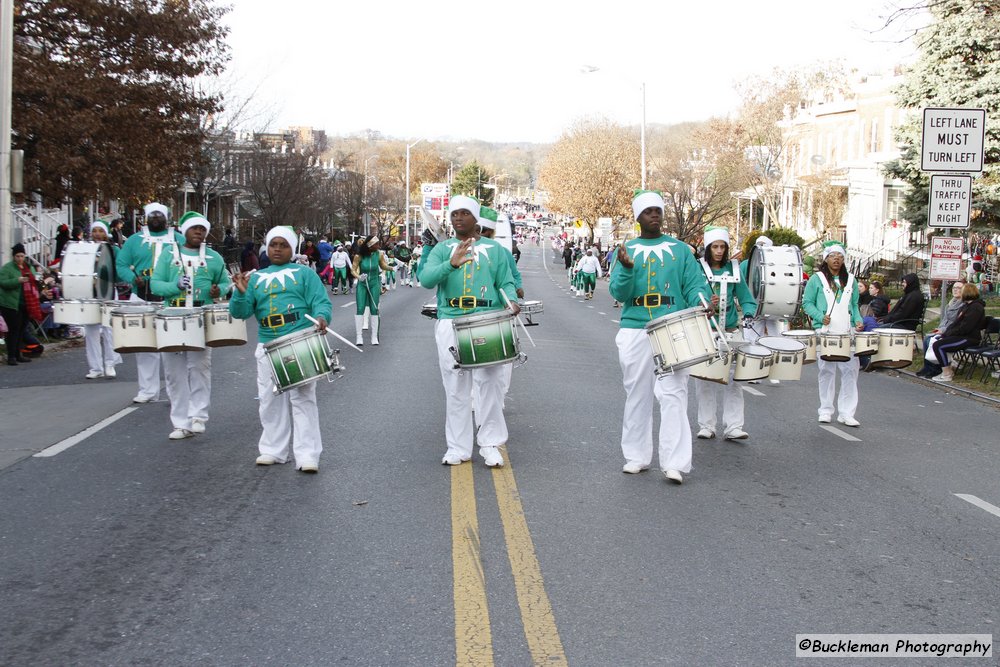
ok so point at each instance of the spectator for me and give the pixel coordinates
(879, 302)
(324, 250)
(117, 233)
(62, 238)
(19, 300)
(931, 368)
(248, 259)
(908, 311)
(964, 332)
(864, 298)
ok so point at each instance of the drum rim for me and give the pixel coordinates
(890, 331)
(289, 337)
(799, 333)
(801, 346)
(58, 301)
(678, 315)
(216, 306)
(170, 313)
(500, 315)
(135, 310)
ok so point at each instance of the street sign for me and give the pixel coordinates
(953, 140)
(946, 258)
(950, 201)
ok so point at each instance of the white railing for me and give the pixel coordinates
(36, 228)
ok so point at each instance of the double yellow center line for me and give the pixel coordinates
(473, 637)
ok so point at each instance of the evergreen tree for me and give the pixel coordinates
(471, 180)
(958, 66)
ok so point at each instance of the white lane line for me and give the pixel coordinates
(347, 305)
(600, 313)
(589, 306)
(751, 390)
(617, 321)
(84, 434)
(981, 504)
(840, 434)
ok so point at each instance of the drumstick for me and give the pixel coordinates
(518, 318)
(719, 330)
(334, 333)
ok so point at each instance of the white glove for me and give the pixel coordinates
(363, 276)
(184, 282)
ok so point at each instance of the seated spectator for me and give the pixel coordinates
(965, 331)
(930, 368)
(864, 298)
(879, 303)
(908, 310)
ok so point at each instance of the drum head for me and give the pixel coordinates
(780, 344)
(104, 285)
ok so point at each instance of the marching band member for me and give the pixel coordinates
(715, 262)
(655, 275)
(367, 267)
(588, 271)
(469, 276)
(831, 300)
(280, 297)
(101, 355)
(134, 265)
(765, 326)
(199, 272)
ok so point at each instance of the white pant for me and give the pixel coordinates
(148, 366)
(635, 355)
(732, 405)
(189, 385)
(100, 350)
(290, 420)
(490, 386)
(847, 401)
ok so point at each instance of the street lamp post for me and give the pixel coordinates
(406, 212)
(6, 72)
(589, 69)
(364, 197)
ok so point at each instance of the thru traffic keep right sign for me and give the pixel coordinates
(950, 201)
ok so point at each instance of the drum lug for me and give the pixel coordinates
(454, 353)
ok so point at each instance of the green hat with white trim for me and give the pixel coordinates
(713, 234)
(193, 219)
(487, 218)
(643, 199)
(830, 247)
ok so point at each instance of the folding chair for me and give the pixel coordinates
(967, 359)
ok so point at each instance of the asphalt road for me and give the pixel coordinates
(127, 548)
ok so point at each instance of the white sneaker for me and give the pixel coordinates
(109, 372)
(824, 419)
(266, 460)
(848, 421)
(143, 399)
(93, 375)
(180, 434)
(775, 381)
(309, 467)
(737, 434)
(491, 457)
(706, 434)
(673, 476)
(633, 468)
(198, 426)
(452, 459)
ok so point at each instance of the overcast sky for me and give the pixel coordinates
(511, 70)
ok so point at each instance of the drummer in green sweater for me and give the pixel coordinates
(280, 297)
(472, 276)
(655, 275)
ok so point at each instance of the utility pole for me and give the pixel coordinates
(6, 94)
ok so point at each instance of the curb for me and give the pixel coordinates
(990, 400)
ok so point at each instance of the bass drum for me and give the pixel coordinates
(87, 271)
(774, 275)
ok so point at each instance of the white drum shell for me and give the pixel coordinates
(83, 265)
(895, 348)
(222, 329)
(788, 357)
(531, 307)
(716, 369)
(106, 308)
(808, 338)
(834, 346)
(680, 340)
(865, 343)
(132, 329)
(79, 312)
(180, 330)
(774, 275)
(753, 362)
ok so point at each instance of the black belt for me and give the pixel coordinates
(469, 302)
(653, 300)
(179, 303)
(275, 321)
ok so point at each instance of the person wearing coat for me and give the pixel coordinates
(908, 310)
(964, 332)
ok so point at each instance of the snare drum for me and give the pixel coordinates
(180, 330)
(530, 309)
(78, 312)
(789, 356)
(808, 338)
(834, 346)
(865, 343)
(106, 308)
(221, 328)
(753, 362)
(132, 328)
(430, 310)
(895, 348)
(87, 271)
(680, 340)
(299, 358)
(774, 275)
(485, 339)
